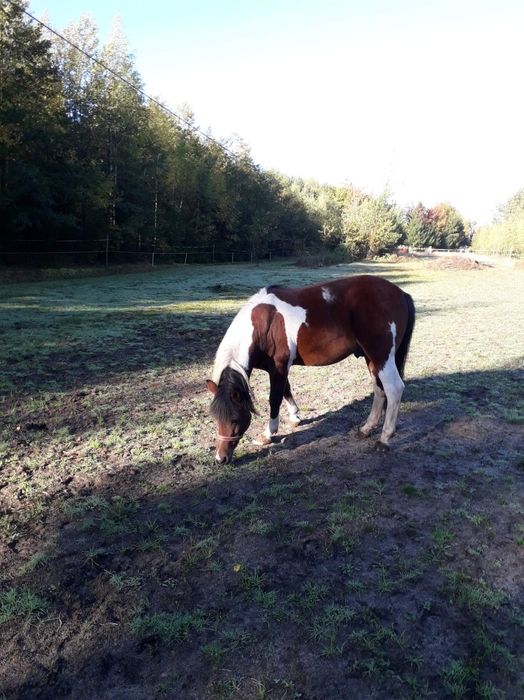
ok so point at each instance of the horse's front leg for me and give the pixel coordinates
(292, 408)
(277, 384)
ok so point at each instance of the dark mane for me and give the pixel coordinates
(224, 407)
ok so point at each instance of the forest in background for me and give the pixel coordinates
(92, 169)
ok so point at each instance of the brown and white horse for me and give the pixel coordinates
(316, 325)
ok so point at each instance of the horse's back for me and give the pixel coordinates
(346, 315)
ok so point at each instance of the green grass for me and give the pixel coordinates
(169, 628)
(21, 603)
(474, 594)
(312, 549)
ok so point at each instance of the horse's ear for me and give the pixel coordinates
(212, 387)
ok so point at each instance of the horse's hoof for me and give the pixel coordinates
(381, 446)
(361, 435)
(263, 440)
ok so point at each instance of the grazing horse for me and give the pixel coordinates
(316, 325)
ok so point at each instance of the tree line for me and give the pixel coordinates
(506, 234)
(85, 157)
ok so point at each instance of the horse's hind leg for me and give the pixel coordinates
(379, 398)
(393, 389)
(292, 408)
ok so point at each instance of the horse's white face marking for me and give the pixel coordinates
(328, 295)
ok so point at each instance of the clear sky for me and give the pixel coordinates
(422, 97)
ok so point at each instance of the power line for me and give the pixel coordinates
(122, 79)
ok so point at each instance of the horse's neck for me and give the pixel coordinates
(233, 351)
(224, 357)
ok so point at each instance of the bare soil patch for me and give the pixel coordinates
(315, 568)
(456, 262)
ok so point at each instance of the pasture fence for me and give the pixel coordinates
(34, 253)
(99, 252)
(507, 257)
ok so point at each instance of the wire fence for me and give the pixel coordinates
(509, 253)
(98, 252)
(63, 252)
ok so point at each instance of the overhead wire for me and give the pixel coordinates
(124, 80)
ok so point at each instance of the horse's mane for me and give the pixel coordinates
(232, 382)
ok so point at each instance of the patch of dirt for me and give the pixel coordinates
(456, 262)
(314, 568)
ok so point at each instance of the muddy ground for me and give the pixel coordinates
(316, 568)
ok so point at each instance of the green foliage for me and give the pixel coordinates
(439, 227)
(506, 234)
(33, 157)
(450, 226)
(513, 207)
(371, 225)
(83, 155)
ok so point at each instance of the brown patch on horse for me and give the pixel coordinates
(270, 344)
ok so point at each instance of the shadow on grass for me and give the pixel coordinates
(318, 569)
(427, 403)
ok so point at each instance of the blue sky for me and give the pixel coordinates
(422, 98)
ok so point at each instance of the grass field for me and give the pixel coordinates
(315, 568)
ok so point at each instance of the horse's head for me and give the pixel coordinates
(231, 407)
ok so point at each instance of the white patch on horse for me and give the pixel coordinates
(328, 295)
(233, 351)
(271, 428)
(294, 317)
(393, 388)
(293, 411)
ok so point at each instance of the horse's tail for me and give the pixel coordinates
(402, 351)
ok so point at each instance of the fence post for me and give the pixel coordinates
(153, 253)
(185, 259)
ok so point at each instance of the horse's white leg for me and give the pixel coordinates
(375, 414)
(393, 388)
(293, 412)
(272, 427)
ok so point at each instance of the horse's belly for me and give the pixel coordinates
(324, 351)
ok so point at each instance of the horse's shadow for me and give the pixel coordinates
(342, 422)
(428, 405)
